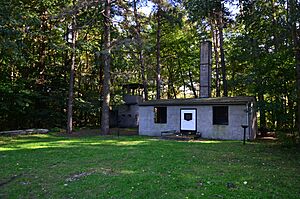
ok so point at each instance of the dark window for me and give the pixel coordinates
(160, 114)
(188, 116)
(220, 115)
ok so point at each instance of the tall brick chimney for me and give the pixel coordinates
(205, 69)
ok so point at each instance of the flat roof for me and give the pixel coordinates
(238, 100)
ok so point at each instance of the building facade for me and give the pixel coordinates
(212, 118)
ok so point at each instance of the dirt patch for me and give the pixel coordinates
(2, 183)
(78, 176)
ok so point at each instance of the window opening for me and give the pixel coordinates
(220, 115)
(160, 114)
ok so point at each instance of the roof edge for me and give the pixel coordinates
(238, 100)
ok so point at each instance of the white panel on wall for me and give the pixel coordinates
(188, 119)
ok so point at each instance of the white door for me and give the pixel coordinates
(188, 119)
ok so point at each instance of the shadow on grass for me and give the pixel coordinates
(144, 167)
(63, 140)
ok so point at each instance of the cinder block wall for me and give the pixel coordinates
(128, 115)
(233, 131)
(147, 126)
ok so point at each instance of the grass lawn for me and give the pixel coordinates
(51, 166)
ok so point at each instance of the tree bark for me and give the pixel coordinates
(98, 64)
(223, 65)
(192, 84)
(241, 8)
(171, 88)
(71, 83)
(296, 43)
(42, 47)
(140, 49)
(42, 54)
(182, 77)
(215, 44)
(158, 69)
(262, 113)
(274, 23)
(106, 79)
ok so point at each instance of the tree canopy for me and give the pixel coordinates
(255, 52)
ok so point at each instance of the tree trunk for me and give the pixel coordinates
(225, 89)
(262, 113)
(296, 43)
(215, 44)
(192, 84)
(291, 104)
(72, 74)
(169, 96)
(158, 69)
(171, 88)
(140, 50)
(106, 80)
(241, 8)
(274, 23)
(182, 77)
(98, 64)
(298, 86)
(41, 64)
(65, 80)
(223, 66)
(42, 48)
(233, 85)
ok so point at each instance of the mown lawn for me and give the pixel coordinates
(50, 166)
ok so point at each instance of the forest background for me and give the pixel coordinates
(63, 63)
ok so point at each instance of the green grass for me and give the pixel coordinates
(50, 166)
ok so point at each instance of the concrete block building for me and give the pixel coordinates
(213, 118)
(128, 113)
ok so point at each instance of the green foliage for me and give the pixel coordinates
(35, 57)
(288, 136)
(262, 63)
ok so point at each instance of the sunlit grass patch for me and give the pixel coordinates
(50, 166)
